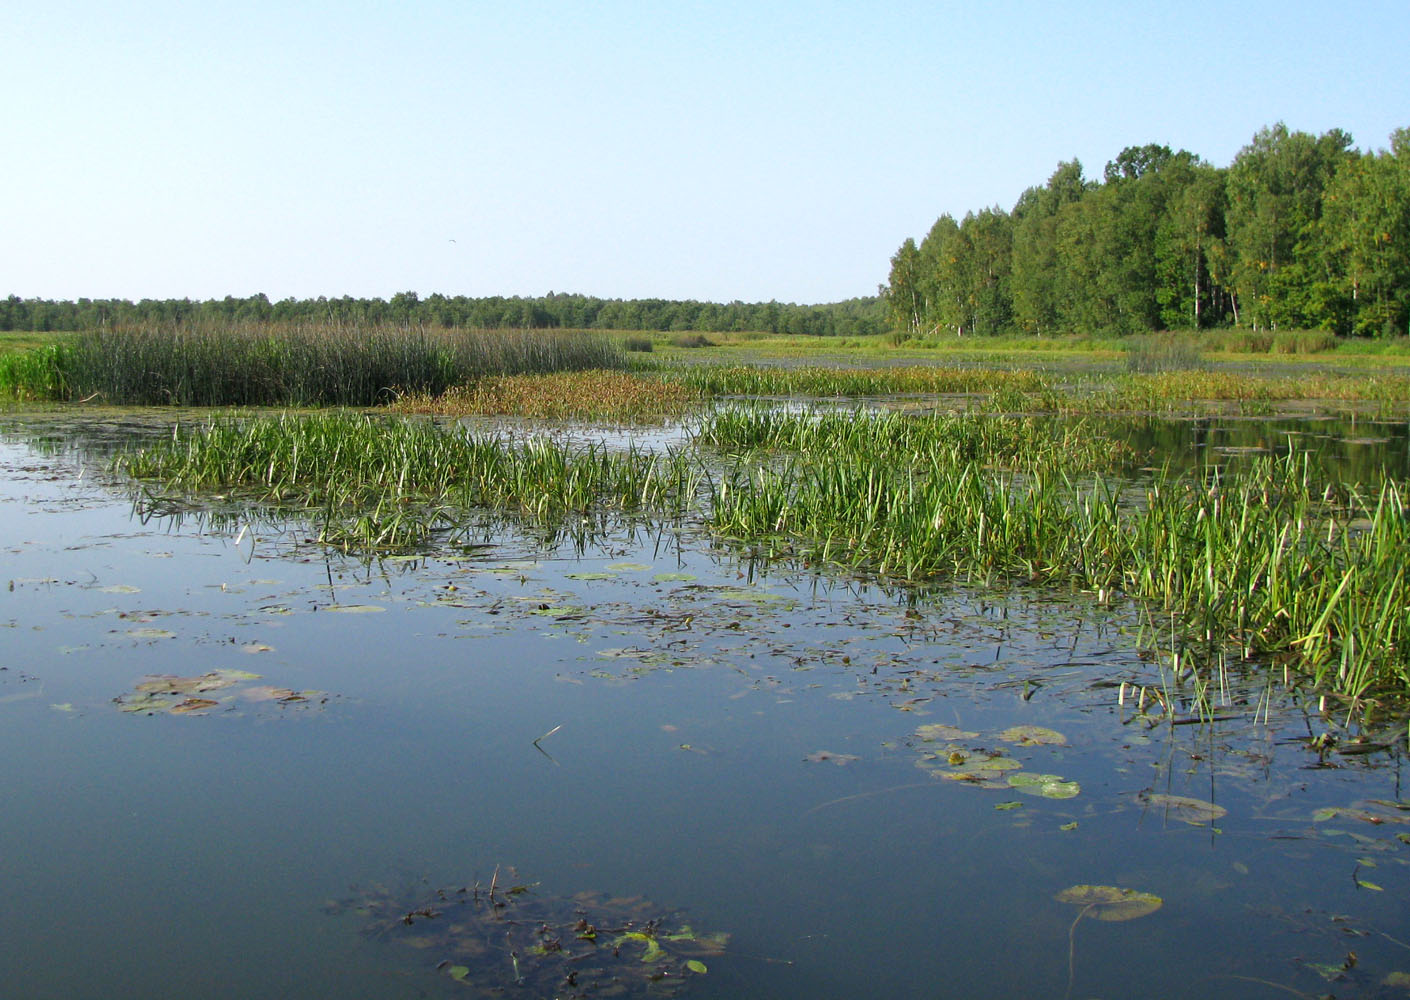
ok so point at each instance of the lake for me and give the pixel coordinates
(243, 765)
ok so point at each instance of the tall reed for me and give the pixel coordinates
(308, 365)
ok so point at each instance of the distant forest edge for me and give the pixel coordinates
(1299, 232)
(849, 318)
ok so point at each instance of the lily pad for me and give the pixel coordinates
(672, 577)
(828, 757)
(590, 576)
(1196, 812)
(1049, 786)
(354, 609)
(627, 567)
(1110, 903)
(939, 731)
(1033, 736)
(193, 705)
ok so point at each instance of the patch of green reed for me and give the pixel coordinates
(373, 483)
(745, 380)
(312, 365)
(1271, 561)
(34, 375)
(1162, 352)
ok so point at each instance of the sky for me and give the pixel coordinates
(718, 151)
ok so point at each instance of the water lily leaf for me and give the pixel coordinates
(1369, 885)
(458, 972)
(121, 588)
(1049, 786)
(827, 756)
(1196, 812)
(1033, 736)
(151, 633)
(696, 966)
(191, 705)
(673, 577)
(1401, 979)
(1364, 815)
(1005, 806)
(144, 703)
(1109, 902)
(1068, 827)
(590, 576)
(354, 609)
(627, 567)
(939, 731)
(256, 647)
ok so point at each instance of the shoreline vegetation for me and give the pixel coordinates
(911, 474)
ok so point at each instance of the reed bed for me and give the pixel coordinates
(745, 380)
(372, 483)
(591, 395)
(305, 365)
(1272, 561)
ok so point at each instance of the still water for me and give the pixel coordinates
(759, 753)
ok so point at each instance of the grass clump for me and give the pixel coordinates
(593, 395)
(316, 365)
(372, 483)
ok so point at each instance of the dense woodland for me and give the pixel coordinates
(849, 318)
(1300, 231)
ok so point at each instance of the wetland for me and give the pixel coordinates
(795, 697)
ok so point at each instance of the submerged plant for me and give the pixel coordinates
(500, 937)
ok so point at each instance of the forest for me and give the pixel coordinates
(849, 318)
(1300, 231)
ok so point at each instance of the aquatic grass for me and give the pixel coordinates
(590, 395)
(35, 375)
(369, 482)
(1273, 561)
(300, 365)
(745, 380)
(1162, 352)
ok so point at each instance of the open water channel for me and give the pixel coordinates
(238, 765)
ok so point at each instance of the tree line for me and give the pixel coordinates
(1300, 231)
(849, 318)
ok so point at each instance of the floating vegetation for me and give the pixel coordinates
(504, 937)
(1110, 903)
(172, 695)
(1196, 812)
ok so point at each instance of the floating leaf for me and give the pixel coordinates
(256, 647)
(1364, 815)
(1005, 806)
(151, 633)
(354, 609)
(191, 705)
(590, 576)
(1108, 902)
(458, 972)
(1369, 885)
(1068, 827)
(827, 756)
(145, 703)
(1033, 736)
(673, 577)
(627, 567)
(1049, 786)
(1196, 812)
(1400, 979)
(121, 588)
(939, 731)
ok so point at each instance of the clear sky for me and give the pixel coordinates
(719, 150)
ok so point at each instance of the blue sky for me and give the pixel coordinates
(756, 150)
